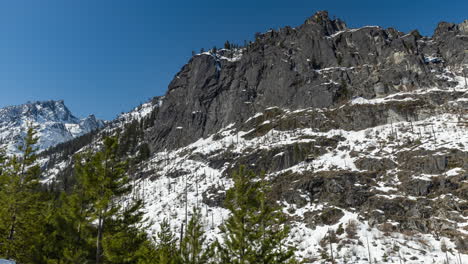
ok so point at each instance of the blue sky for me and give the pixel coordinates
(107, 56)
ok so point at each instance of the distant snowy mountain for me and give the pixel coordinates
(54, 121)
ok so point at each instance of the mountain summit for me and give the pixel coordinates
(361, 133)
(319, 64)
(54, 121)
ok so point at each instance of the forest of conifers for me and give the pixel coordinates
(98, 221)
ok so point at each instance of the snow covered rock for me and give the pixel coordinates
(54, 122)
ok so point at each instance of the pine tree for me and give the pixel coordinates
(102, 179)
(72, 224)
(193, 247)
(255, 231)
(125, 236)
(272, 231)
(167, 251)
(118, 236)
(20, 213)
(227, 45)
(2, 160)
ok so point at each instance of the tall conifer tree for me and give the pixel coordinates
(167, 251)
(20, 213)
(255, 232)
(101, 200)
(194, 249)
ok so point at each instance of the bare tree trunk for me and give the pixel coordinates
(13, 226)
(181, 237)
(99, 239)
(11, 234)
(331, 249)
(368, 251)
(186, 201)
(464, 75)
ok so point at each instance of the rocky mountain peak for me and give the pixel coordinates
(464, 26)
(39, 110)
(321, 63)
(328, 25)
(54, 121)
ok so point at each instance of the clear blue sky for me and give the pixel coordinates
(107, 56)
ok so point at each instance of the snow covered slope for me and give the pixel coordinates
(54, 121)
(387, 176)
(362, 133)
(384, 187)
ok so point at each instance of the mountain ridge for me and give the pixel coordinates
(352, 127)
(54, 121)
(272, 71)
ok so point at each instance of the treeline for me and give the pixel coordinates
(132, 147)
(98, 220)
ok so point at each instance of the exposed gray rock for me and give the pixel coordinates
(318, 64)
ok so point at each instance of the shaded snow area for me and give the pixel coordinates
(198, 175)
(52, 119)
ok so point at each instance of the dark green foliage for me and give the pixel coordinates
(256, 230)
(21, 210)
(124, 235)
(64, 150)
(102, 179)
(343, 93)
(227, 45)
(94, 220)
(193, 248)
(167, 251)
(340, 229)
(129, 138)
(144, 152)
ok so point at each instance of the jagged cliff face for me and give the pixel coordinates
(54, 122)
(318, 64)
(357, 129)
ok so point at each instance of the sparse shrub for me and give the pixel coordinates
(351, 229)
(340, 230)
(386, 228)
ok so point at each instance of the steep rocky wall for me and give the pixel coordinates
(318, 64)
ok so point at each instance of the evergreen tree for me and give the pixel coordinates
(272, 230)
(102, 179)
(193, 246)
(167, 251)
(255, 232)
(20, 213)
(227, 45)
(125, 236)
(118, 237)
(2, 160)
(73, 226)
